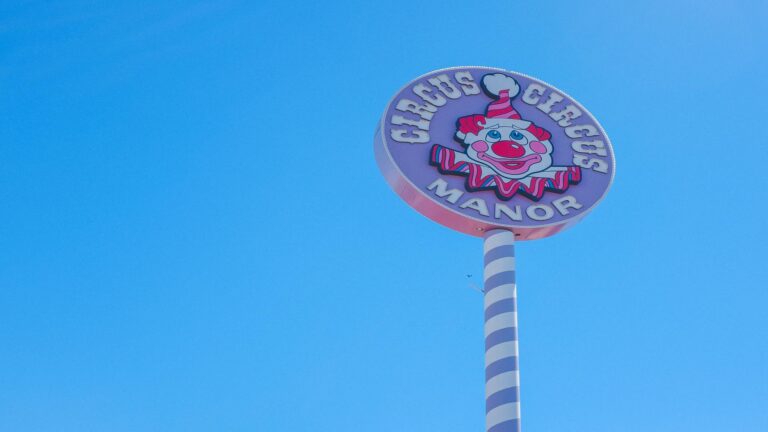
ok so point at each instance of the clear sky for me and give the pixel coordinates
(194, 235)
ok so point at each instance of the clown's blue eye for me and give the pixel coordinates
(493, 135)
(515, 135)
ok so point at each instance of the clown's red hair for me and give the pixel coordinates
(471, 124)
(538, 132)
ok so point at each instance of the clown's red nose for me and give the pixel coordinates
(508, 149)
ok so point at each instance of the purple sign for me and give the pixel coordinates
(477, 148)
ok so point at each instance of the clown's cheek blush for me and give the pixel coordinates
(536, 146)
(480, 146)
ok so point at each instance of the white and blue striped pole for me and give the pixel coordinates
(502, 377)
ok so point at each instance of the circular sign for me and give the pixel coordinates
(478, 148)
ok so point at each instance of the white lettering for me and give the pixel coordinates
(468, 85)
(476, 204)
(400, 120)
(590, 147)
(593, 164)
(440, 187)
(425, 111)
(564, 117)
(546, 107)
(580, 131)
(547, 212)
(563, 204)
(411, 137)
(422, 91)
(515, 215)
(533, 93)
(445, 85)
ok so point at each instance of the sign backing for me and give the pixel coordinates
(480, 148)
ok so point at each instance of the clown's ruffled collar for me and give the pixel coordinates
(481, 177)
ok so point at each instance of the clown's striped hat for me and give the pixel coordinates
(504, 88)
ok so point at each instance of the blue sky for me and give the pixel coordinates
(195, 236)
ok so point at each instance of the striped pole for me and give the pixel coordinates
(502, 392)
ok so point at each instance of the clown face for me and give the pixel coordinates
(504, 152)
(510, 148)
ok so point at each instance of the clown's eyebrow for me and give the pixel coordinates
(496, 126)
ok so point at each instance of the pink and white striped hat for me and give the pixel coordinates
(504, 88)
(500, 112)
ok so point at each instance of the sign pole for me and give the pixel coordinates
(502, 376)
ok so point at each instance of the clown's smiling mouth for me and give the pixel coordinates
(511, 166)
